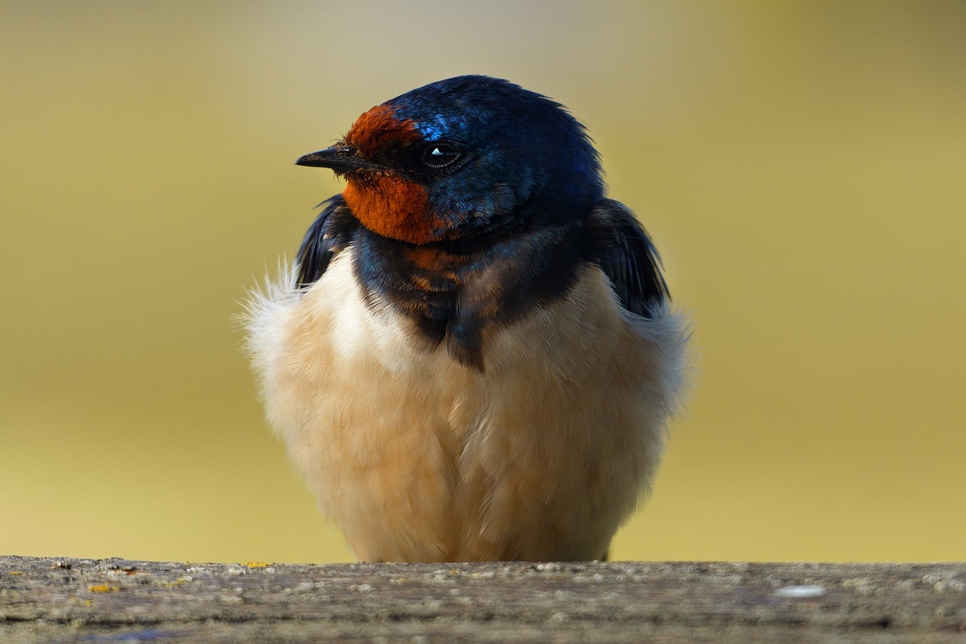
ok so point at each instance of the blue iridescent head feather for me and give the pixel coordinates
(525, 154)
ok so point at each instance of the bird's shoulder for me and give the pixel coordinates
(328, 235)
(615, 240)
(622, 248)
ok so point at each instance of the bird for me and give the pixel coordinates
(473, 356)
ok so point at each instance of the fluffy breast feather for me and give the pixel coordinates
(419, 458)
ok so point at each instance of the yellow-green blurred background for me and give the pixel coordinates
(801, 165)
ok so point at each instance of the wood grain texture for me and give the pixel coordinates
(114, 600)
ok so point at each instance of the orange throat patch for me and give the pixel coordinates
(392, 207)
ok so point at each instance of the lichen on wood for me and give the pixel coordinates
(111, 600)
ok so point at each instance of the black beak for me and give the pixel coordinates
(341, 158)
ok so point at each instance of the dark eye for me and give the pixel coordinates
(440, 155)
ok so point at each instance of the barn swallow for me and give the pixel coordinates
(474, 356)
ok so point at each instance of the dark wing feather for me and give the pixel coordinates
(327, 236)
(623, 250)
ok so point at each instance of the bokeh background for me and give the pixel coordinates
(801, 166)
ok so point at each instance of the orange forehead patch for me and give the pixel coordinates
(379, 128)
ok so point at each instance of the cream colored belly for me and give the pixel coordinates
(418, 458)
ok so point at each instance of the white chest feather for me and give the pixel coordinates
(418, 458)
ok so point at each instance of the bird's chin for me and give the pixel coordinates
(369, 177)
(392, 206)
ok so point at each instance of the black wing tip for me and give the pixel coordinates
(326, 237)
(625, 251)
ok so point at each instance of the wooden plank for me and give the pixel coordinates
(111, 600)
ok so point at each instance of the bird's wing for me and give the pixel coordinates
(327, 236)
(621, 247)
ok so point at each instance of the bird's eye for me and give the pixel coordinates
(440, 155)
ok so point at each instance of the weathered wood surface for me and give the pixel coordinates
(113, 600)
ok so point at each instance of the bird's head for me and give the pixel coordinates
(462, 157)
